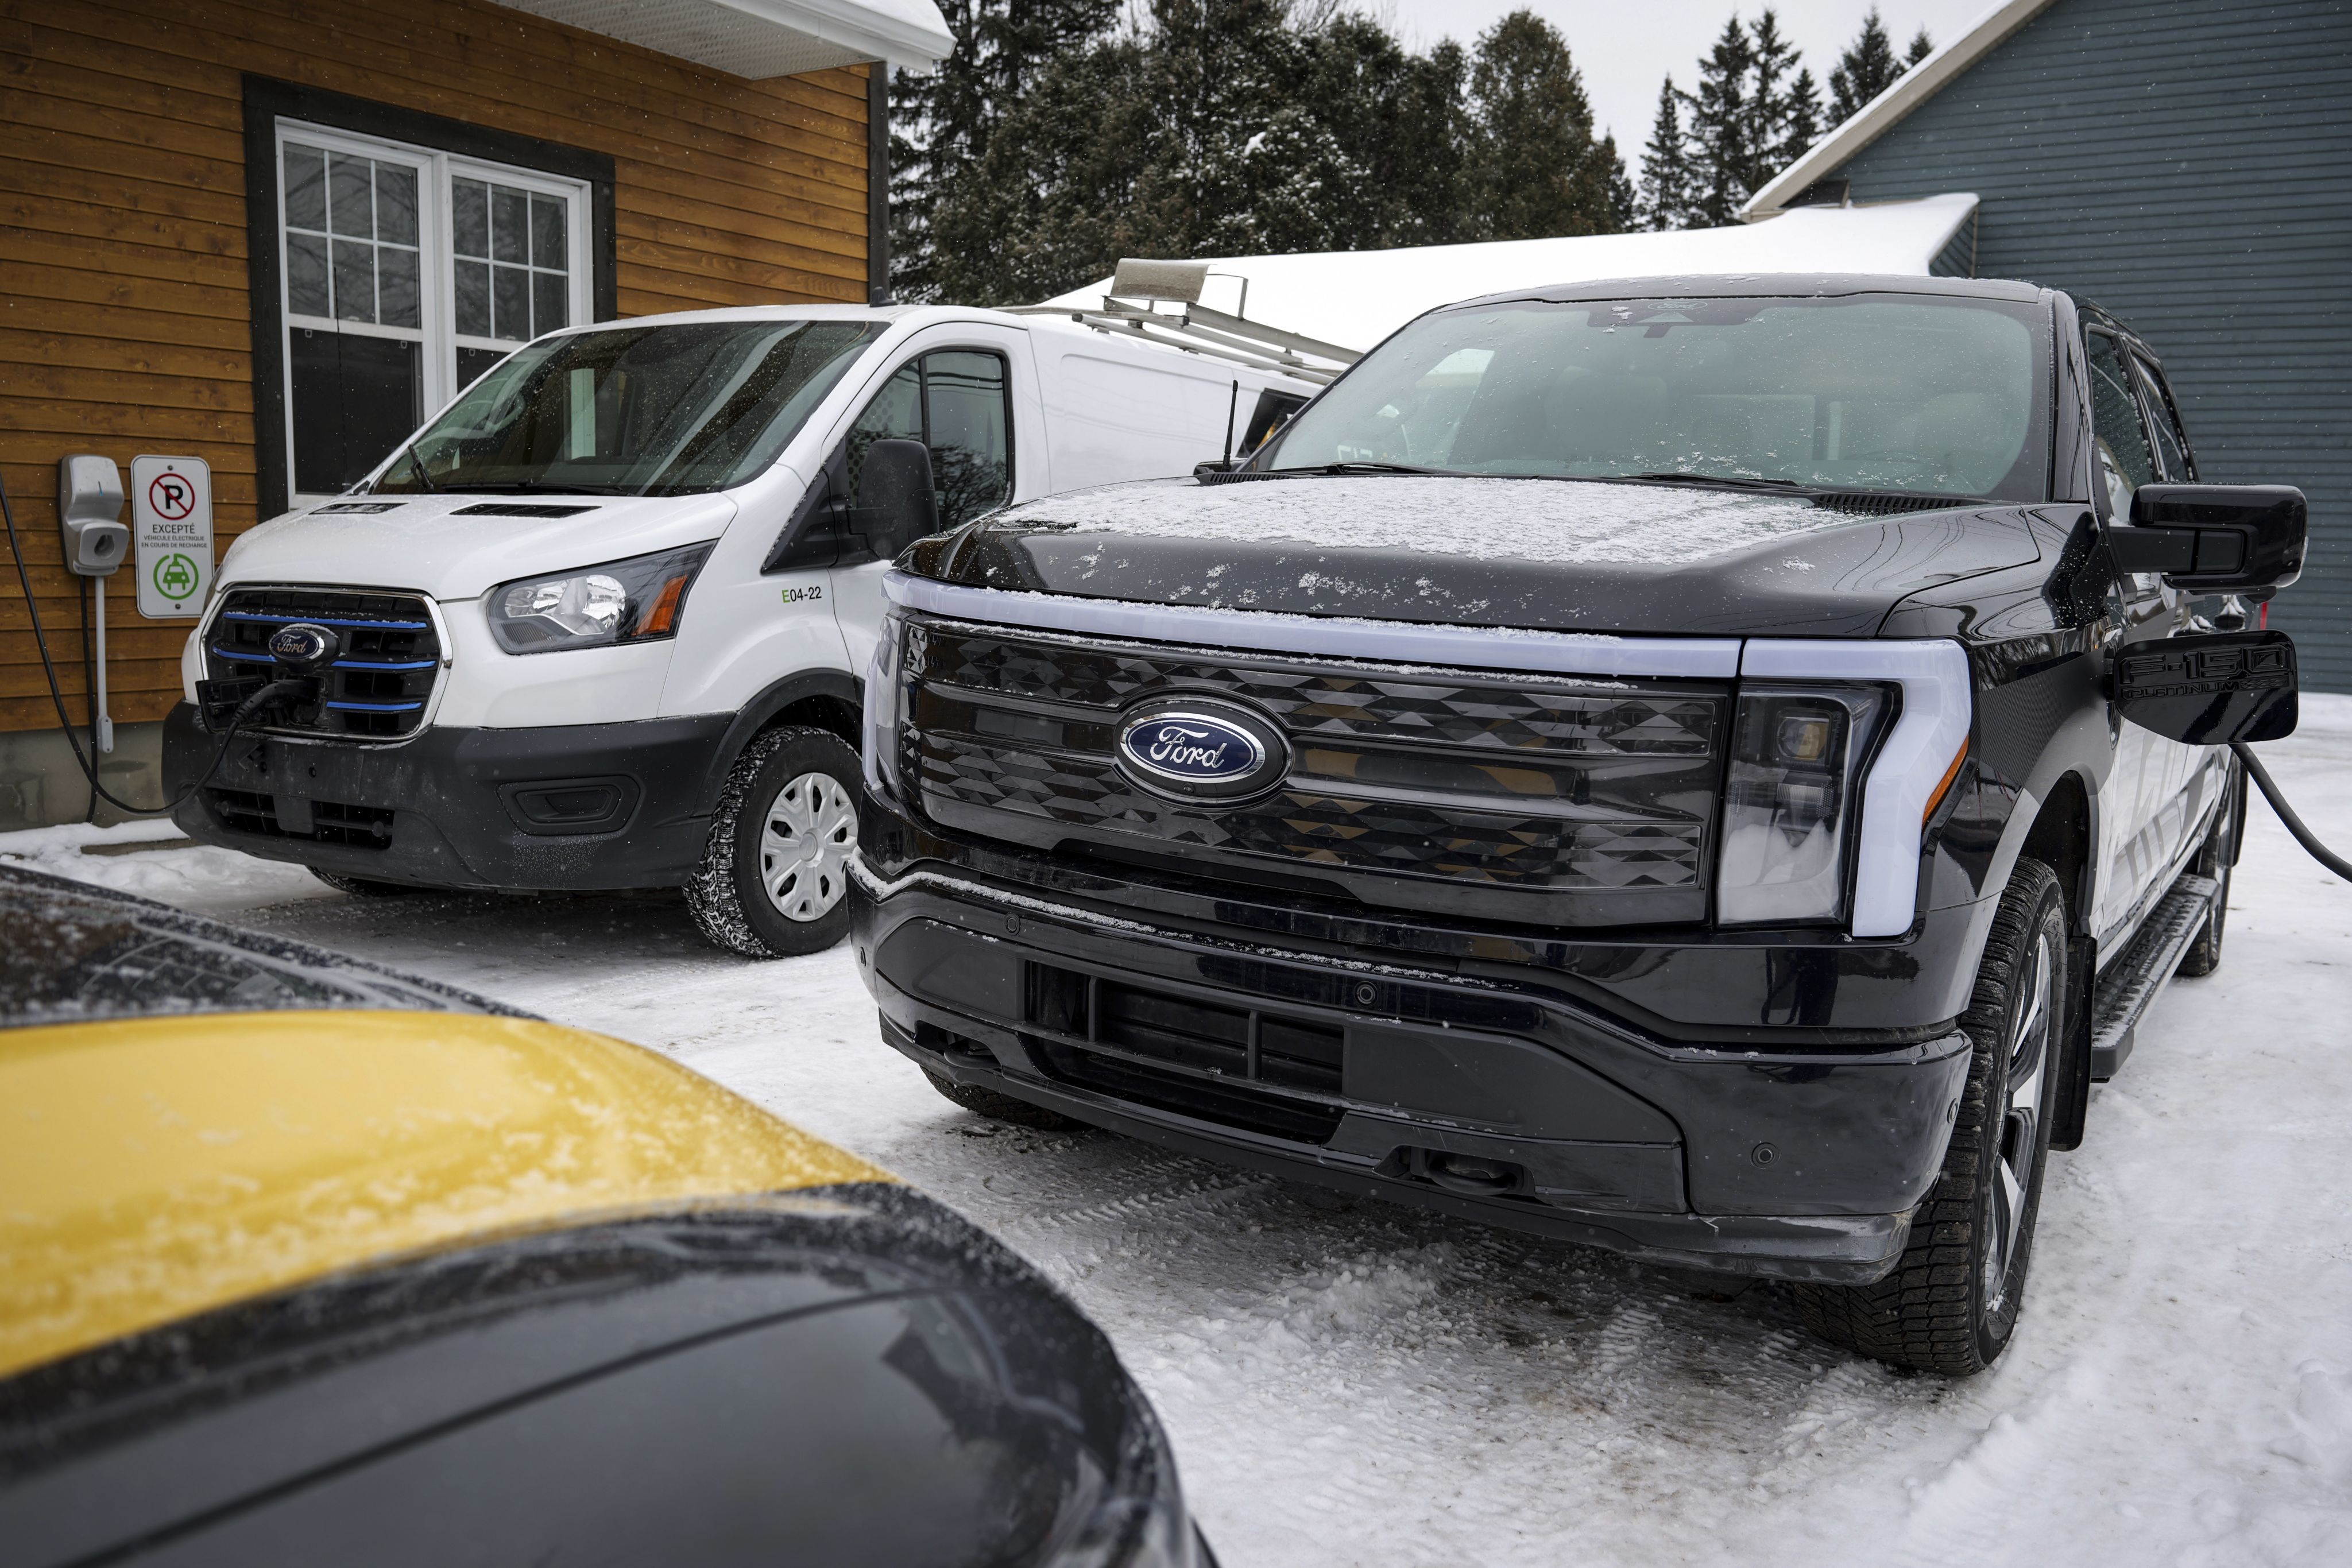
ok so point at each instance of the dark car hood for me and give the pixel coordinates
(1575, 556)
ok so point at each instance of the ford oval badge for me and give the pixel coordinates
(303, 647)
(1206, 750)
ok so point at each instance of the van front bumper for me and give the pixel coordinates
(568, 807)
(1513, 1108)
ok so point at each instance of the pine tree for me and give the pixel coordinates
(1721, 138)
(1867, 68)
(1921, 47)
(941, 123)
(1666, 200)
(1538, 172)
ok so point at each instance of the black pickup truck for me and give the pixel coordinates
(1714, 769)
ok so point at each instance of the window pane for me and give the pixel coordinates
(306, 188)
(510, 292)
(395, 279)
(395, 203)
(355, 281)
(474, 299)
(548, 242)
(551, 301)
(347, 197)
(472, 362)
(305, 275)
(2115, 420)
(469, 218)
(895, 414)
(509, 224)
(355, 399)
(970, 454)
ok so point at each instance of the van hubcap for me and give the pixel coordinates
(2019, 1129)
(805, 844)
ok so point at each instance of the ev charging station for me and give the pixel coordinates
(171, 540)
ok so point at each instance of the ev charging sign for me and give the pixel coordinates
(172, 534)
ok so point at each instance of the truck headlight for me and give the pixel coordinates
(1791, 801)
(640, 600)
(899, 657)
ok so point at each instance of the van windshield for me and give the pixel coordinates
(1914, 392)
(633, 411)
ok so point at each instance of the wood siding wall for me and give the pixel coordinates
(124, 324)
(2188, 167)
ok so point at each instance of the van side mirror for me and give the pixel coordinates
(896, 502)
(2215, 538)
(2210, 688)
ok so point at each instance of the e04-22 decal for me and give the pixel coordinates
(808, 595)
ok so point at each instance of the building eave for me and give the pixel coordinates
(1880, 114)
(761, 39)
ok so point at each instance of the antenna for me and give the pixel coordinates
(1232, 403)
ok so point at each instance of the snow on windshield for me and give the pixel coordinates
(1917, 393)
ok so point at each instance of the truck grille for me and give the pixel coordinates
(1455, 791)
(376, 691)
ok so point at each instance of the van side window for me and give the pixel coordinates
(2125, 458)
(2164, 421)
(955, 402)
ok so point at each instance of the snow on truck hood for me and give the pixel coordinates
(445, 547)
(1534, 553)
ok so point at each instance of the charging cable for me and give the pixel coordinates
(2303, 835)
(245, 711)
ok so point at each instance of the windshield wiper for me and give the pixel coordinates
(416, 466)
(1732, 481)
(1354, 466)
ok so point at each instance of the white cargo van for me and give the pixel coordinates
(600, 623)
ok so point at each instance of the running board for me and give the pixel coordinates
(2134, 980)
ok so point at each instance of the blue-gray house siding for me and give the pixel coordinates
(2188, 167)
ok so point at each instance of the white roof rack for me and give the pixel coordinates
(1139, 288)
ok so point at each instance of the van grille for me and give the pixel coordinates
(1449, 790)
(376, 691)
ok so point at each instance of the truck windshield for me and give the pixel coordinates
(633, 411)
(1912, 392)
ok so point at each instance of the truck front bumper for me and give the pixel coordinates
(580, 807)
(1507, 1106)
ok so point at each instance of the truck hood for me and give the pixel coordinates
(1538, 553)
(446, 547)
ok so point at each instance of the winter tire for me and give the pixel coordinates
(1952, 1302)
(2204, 955)
(774, 877)
(361, 886)
(1001, 1107)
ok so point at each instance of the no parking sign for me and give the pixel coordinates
(171, 533)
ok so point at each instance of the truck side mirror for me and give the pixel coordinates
(896, 502)
(2210, 688)
(2215, 538)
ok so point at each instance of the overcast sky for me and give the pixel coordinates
(1625, 47)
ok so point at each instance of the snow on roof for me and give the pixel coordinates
(1906, 93)
(1357, 298)
(760, 39)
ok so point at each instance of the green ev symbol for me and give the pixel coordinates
(175, 577)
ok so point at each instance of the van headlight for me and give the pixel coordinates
(640, 600)
(1791, 801)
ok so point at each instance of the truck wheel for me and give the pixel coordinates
(1950, 1304)
(2204, 955)
(1001, 1107)
(775, 869)
(363, 887)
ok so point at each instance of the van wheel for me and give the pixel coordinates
(1951, 1303)
(775, 870)
(2204, 955)
(361, 886)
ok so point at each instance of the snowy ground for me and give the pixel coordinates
(1353, 1383)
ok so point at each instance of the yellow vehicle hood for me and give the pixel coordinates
(153, 1168)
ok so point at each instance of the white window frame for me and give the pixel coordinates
(436, 270)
